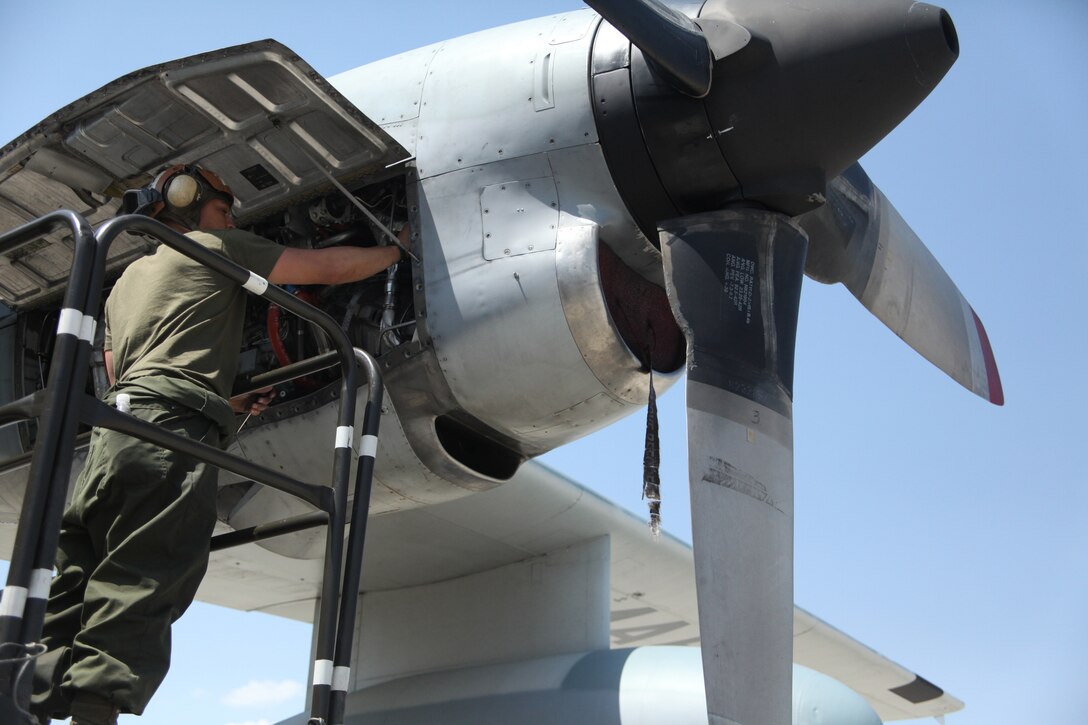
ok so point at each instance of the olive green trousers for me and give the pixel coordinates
(133, 549)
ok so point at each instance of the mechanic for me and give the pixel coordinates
(135, 538)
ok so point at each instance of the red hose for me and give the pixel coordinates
(273, 324)
(274, 336)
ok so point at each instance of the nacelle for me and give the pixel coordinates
(641, 686)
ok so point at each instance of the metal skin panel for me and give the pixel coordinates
(587, 194)
(519, 218)
(506, 338)
(481, 618)
(498, 327)
(478, 102)
(642, 686)
(523, 90)
(299, 446)
(392, 91)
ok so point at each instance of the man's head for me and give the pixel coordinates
(184, 196)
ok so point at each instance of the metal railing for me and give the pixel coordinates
(63, 404)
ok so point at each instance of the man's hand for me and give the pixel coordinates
(404, 236)
(253, 403)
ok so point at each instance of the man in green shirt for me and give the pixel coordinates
(135, 537)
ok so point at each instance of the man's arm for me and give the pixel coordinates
(335, 265)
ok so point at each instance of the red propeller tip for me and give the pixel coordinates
(993, 378)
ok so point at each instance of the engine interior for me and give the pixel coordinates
(377, 314)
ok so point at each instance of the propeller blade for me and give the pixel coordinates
(859, 239)
(671, 40)
(734, 282)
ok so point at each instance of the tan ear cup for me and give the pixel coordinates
(182, 191)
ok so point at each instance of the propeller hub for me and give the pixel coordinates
(816, 85)
(820, 84)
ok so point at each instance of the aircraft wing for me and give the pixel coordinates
(540, 511)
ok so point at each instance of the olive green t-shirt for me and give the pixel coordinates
(170, 316)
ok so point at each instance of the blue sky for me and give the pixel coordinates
(946, 533)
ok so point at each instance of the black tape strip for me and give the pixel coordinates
(918, 691)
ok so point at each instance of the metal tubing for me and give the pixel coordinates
(20, 622)
(349, 600)
(29, 406)
(49, 532)
(326, 619)
(353, 569)
(284, 374)
(334, 557)
(269, 530)
(97, 413)
(37, 228)
(54, 403)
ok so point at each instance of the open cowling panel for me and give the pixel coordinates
(275, 131)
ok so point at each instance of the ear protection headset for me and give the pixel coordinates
(177, 194)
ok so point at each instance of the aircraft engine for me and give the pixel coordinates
(537, 166)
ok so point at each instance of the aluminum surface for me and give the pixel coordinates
(506, 315)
